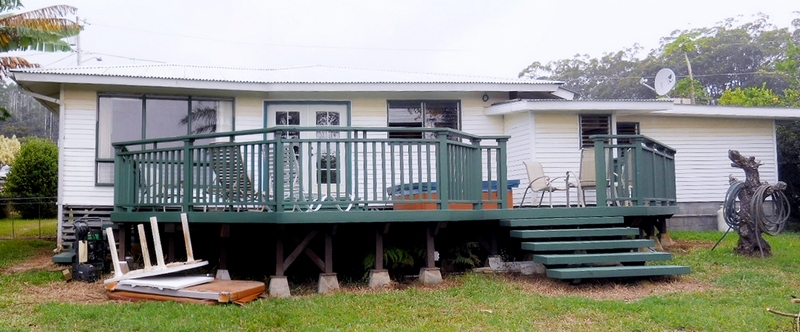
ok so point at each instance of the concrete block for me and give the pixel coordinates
(279, 286)
(223, 275)
(430, 276)
(328, 282)
(379, 278)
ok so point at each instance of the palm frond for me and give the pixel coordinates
(6, 5)
(11, 62)
(44, 12)
(59, 26)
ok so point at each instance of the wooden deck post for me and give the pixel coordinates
(378, 249)
(328, 252)
(122, 235)
(328, 280)
(429, 247)
(278, 284)
(279, 252)
(430, 275)
(379, 277)
(224, 234)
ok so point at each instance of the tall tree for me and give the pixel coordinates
(728, 55)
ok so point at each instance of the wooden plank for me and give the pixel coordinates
(587, 245)
(561, 221)
(582, 232)
(556, 259)
(186, 238)
(112, 245)
(157, 242)
(156, 271)
(145, 249)
(617, 271)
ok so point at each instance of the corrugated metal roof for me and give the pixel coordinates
(290, 75)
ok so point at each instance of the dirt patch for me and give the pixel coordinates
(68, 292)
(623, 289)
(39, 262)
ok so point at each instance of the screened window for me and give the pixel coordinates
(627, 128)
(419, 114)
(593, 125)
(126, 118)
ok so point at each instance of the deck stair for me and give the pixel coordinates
(590, 247)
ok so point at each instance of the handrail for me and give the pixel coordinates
(639, 171)
(290, 168)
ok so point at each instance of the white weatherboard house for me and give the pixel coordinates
(101, 105)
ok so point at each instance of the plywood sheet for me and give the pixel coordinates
(168, 282)
(222, 291)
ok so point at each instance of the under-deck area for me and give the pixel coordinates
(296, 192)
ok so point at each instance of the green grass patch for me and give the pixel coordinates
(15, 228)
(12, 251)
(730, 294)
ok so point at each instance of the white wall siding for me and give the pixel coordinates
(557, 147)
(520, 126)
(78, 154)
(702, 144)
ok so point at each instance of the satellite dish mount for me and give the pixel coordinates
(664, 82)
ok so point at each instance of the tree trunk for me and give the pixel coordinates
(751, 243)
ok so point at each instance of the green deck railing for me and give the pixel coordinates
(309, 169)
(639, 171)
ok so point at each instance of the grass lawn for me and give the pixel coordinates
(724, 292)
(28, 228)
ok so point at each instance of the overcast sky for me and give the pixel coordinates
(487, 38)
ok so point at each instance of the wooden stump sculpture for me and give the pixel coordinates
(751, 243)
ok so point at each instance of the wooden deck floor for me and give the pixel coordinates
(371, 216)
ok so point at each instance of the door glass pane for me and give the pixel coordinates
(328, 165)
(288, 119)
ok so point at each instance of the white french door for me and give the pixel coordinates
(320, 164)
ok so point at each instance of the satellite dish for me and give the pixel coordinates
(665, 81)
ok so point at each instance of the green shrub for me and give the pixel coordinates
(33, 181)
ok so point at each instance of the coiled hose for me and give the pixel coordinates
(774, 223)
(771, 224)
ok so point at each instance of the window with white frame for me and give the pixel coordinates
(125, 118)
(422, 114)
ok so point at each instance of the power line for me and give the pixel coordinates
(125, 57)
(290, 45)
(59, 60)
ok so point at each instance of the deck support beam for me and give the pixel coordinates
(278, 284)
(328, 282)
(224, 234)
(379, 277)
(431, 275)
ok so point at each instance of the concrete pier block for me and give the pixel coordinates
(379, 278)
(328, 282)
(430, 276)
(279, 286)
(223, 275)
